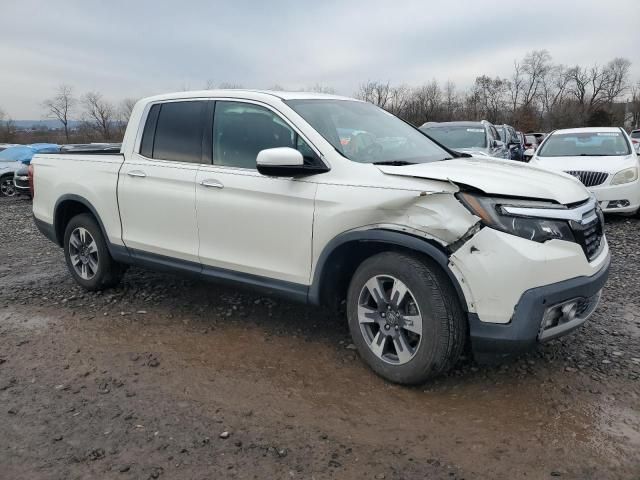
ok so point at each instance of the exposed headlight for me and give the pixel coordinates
(625, 176)
(492, 213)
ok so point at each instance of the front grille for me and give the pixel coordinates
(589, 234)
(589, 179)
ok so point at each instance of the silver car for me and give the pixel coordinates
(468, 137)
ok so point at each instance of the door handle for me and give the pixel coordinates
(211, 183)
(136, 173)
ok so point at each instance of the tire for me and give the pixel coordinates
(87, 256)
(414, 358)
(7, 189)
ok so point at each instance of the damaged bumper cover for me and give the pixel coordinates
(527, 326)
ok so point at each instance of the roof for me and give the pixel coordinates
(453, 124)
(588, 129)
(247, 94)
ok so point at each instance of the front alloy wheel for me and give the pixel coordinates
(7, 188)
(390, 320)
(405, 318)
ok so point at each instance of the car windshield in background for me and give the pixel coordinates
(635, 134)
(458, 137)
(367, 134)
(586, 144)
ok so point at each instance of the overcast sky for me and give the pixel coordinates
(138, 48)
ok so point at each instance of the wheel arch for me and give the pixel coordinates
(67, 207)
(341, 257)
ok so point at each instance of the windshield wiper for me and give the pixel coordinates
(595, 155)
(395, 163)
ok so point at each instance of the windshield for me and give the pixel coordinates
(458, 137)
(635, 134)
(586, 144)
(365, 133)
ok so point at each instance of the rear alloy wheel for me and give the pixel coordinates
(405, 317)
(87, 255)
(83, 253)
(7, 188)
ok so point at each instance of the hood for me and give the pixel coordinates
(473, 151)
(611, 165)
(498, 177)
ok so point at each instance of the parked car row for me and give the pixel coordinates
(15, 160)
(483, 138)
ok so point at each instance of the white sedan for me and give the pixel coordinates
(602, 158)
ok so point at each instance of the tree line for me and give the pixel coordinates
(538, 95)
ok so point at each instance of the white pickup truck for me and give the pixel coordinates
(325, 199)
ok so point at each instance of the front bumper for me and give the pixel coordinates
(608, 194)
(21, 183)
(490, 341)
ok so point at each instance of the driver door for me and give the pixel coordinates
(248, 222)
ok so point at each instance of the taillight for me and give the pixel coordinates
(31, 176)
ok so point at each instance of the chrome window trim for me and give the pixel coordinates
(576, 214)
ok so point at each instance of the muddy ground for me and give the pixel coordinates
(165, 377)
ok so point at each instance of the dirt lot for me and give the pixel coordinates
(168, 378)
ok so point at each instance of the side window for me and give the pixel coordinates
(146, 146)
(178, 132)
(494, 133)
(241, 130)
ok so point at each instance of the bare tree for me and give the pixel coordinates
(319, 88)
(99, 114)
(60, 106)
(230, 85)
(374, 92)
(535, 66)
(124, 114)
(515, 86)
(7, 128)
(450, 101)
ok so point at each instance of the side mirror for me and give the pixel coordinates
(285, 162)
(529, 152)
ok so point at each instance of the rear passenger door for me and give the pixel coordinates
(248, 222)
(156, 187)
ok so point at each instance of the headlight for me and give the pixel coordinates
(490, 210)
(625, 176)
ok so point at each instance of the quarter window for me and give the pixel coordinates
(241, 130)
(174, 132)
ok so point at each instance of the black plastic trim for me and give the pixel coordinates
(291, 171)
(289, 290)
(390, 237)
(46, 229)
(491, 341)
(86, 203)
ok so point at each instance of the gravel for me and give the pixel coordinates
(129, 382)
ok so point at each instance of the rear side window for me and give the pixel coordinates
(174, 132)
